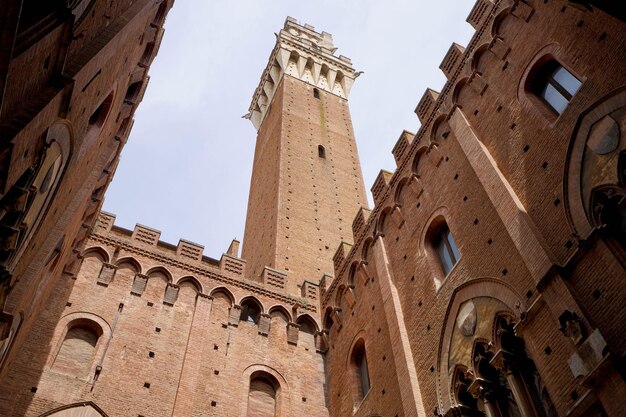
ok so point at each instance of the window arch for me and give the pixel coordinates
(250, 311)
(442, 246)
(552, 83)
(75, 356)
(359, 373)
(321, 151)
(263, 395)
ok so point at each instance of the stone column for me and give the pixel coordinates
(483, 391)
(410, 393)
(197, 341)
(504, 361)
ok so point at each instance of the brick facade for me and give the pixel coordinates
(487, 280)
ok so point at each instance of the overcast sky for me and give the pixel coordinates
(187, 165)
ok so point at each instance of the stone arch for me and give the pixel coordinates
(190, 281)
(578, 216)
(328, 319)
(502, 23)
(352, 274)
(440, 212)
(161, 272)
(462, 91)
(255, 370)
(129, 263)
(479, 58)
(400, 194)
(367, 245)
(97, 252)
(383, 221)
(251, 298)
(81, 319)
(251, 309)
(100, 117)
(308, 320)
(525, 94)
(279, 309)
(339, 295)
(480, 287)
(440, 129)
(224, 293)
(419, 161)
(81, 409)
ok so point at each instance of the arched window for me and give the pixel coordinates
(321, 151)
(263, 395)
(553, 84)
(359, 373)
(316, 93)
(75, 356)
(250, 311)
(444, 247)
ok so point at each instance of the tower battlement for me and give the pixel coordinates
(307, 55)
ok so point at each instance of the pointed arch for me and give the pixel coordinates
(279, 309)
(129, 263)
(223, 292)
(307, 321)
(440, 129)
(339, 294)
(401, 191)
(580, 220)
(480, 287)
(190, 281)
(161, 272)
(84, 408)
(418, 162)
(479, 58)
(97, 252)
(459, 89)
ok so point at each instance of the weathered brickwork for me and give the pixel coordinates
(72, 74)
(487, 281)
(507, 175)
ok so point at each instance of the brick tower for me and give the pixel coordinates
(306, 180)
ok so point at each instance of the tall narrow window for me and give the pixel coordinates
(316, 93)
(321, 151)
(554, 85)
(446, 249)
(360, 373)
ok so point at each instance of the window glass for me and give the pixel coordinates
(453, 248)
(566, 80)
(554, 98)
(364, 375)
(446, 249)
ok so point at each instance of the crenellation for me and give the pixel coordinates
(402, 144)
(381, 185)
(307, 55)
(454, 278)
